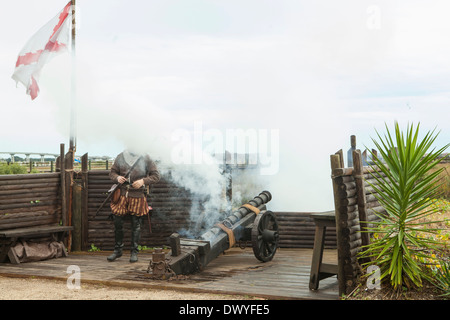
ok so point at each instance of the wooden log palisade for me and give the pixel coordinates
(33, 206)
(355, 208)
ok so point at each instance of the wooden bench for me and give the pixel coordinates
(9, 238)
(321, 270)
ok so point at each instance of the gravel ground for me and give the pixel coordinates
(39, 289)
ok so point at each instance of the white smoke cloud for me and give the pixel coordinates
(314, 71)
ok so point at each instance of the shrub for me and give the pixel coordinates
(406, 191)
(12, 168)
(441, 277)
(444, 178)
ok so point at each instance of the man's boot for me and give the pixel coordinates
(118, 239)
(135, 237)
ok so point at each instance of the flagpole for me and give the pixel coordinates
(73, 95)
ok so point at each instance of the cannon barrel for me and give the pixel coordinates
(190, 255)
(259, 201)
(237, 222)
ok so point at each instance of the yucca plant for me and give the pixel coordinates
(406, 189)
(441, 277)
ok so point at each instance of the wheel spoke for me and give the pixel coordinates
(264, 249)
(271, 247)
(262, 224)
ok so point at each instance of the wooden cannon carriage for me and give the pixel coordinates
(251, 222)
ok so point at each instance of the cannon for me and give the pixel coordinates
(251, 222)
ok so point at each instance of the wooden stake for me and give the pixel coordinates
(68, 172)
(84, 202)
(361, 195)
(62, 167)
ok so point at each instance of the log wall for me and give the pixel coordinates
(29, 200)
(171, 210)
(297, 230)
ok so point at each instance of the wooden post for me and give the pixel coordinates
(335, 164)
(341, 158)
(76, 218)
(68, 163)
(374, 155)
(174, 240)
(350, 151)
(353, 141)
(361, 195)
(84, 201)
(63, 184)
(364, 157)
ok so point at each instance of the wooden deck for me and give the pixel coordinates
(235, 272)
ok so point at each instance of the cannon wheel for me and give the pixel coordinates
(265, 236)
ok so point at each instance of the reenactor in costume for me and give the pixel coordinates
(133, 173)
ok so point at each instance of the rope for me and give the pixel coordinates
(251, 208)
(71, 175)
(229, 232)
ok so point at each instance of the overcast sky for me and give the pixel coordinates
(317, 71)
